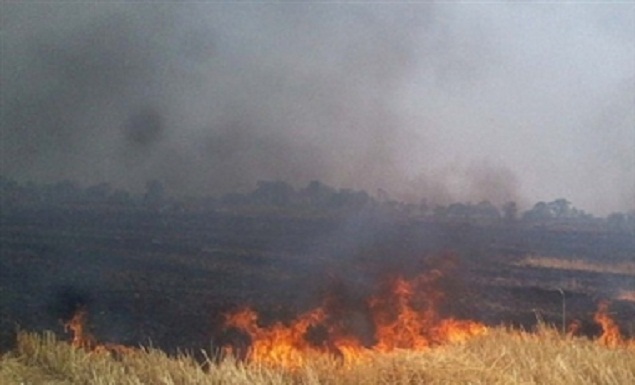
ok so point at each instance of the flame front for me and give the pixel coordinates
(403, 327)
(277, 344)
(405, 317)
(611, 335)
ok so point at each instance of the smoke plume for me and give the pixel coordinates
(440, 101)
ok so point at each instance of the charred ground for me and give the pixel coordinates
(165, 275)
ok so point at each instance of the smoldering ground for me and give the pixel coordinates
(448, 102)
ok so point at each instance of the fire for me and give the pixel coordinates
(404, 317)
(456, 331)
(84, 339)
(610, 331)
(400, 328)
(277, 344)
(574, 328)
(415, 323)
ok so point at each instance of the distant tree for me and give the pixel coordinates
(630, 221)
(557, 209)
(440, 212)
(120, 197)
(561, 208)
(317, 194)
(62, 192)
(234, 199)
(621, 222)
(424, 208)
(485, 210)
(458, 211)
(510, 211)
(540, 211)
(347, 198)
(275, 193)
(382, 195)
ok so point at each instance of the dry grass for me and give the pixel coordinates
(500, 357)
(626, 295)
(627, 268)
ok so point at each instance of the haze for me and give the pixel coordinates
(448, 102)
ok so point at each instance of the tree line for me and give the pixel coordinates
(316, 196)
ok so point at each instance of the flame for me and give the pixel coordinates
(84, 339)
(404, 317)
(415, 323)
(611, 335)
(277, 344)
(458, 331)
(403, 331)
(574, 328)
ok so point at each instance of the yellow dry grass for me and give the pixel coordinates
(627, 268)
(500, 357)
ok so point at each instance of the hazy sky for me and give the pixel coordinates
(451, 102)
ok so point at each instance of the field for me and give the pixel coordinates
(169, 280)
(500, 357)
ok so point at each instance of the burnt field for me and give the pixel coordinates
(167, 278)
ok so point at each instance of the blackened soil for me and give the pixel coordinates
(166, 279)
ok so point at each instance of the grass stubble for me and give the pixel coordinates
(502, 356)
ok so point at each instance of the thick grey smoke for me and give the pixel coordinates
(447, 102)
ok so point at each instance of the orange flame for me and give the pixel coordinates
(404, 318)
(277, 344)
(574, 328)
(404, 331)
(611, 335)
(82, 338)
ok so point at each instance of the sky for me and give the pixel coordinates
(446, 102)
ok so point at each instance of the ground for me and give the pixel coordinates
(167, 278)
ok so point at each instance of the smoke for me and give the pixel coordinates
(448, 102)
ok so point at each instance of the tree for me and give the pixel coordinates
(510, 211)
(485, 210)
(64, 191)
(346, 198)
(540, 211)
(317, 194)
(561, 208)
(120, 196)
(275, 193)
(440, 212)
(621, 222)
(458, 211)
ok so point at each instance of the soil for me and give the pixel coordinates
(167, 278)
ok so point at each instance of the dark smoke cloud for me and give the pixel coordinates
(449, 102)
(144, 127)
